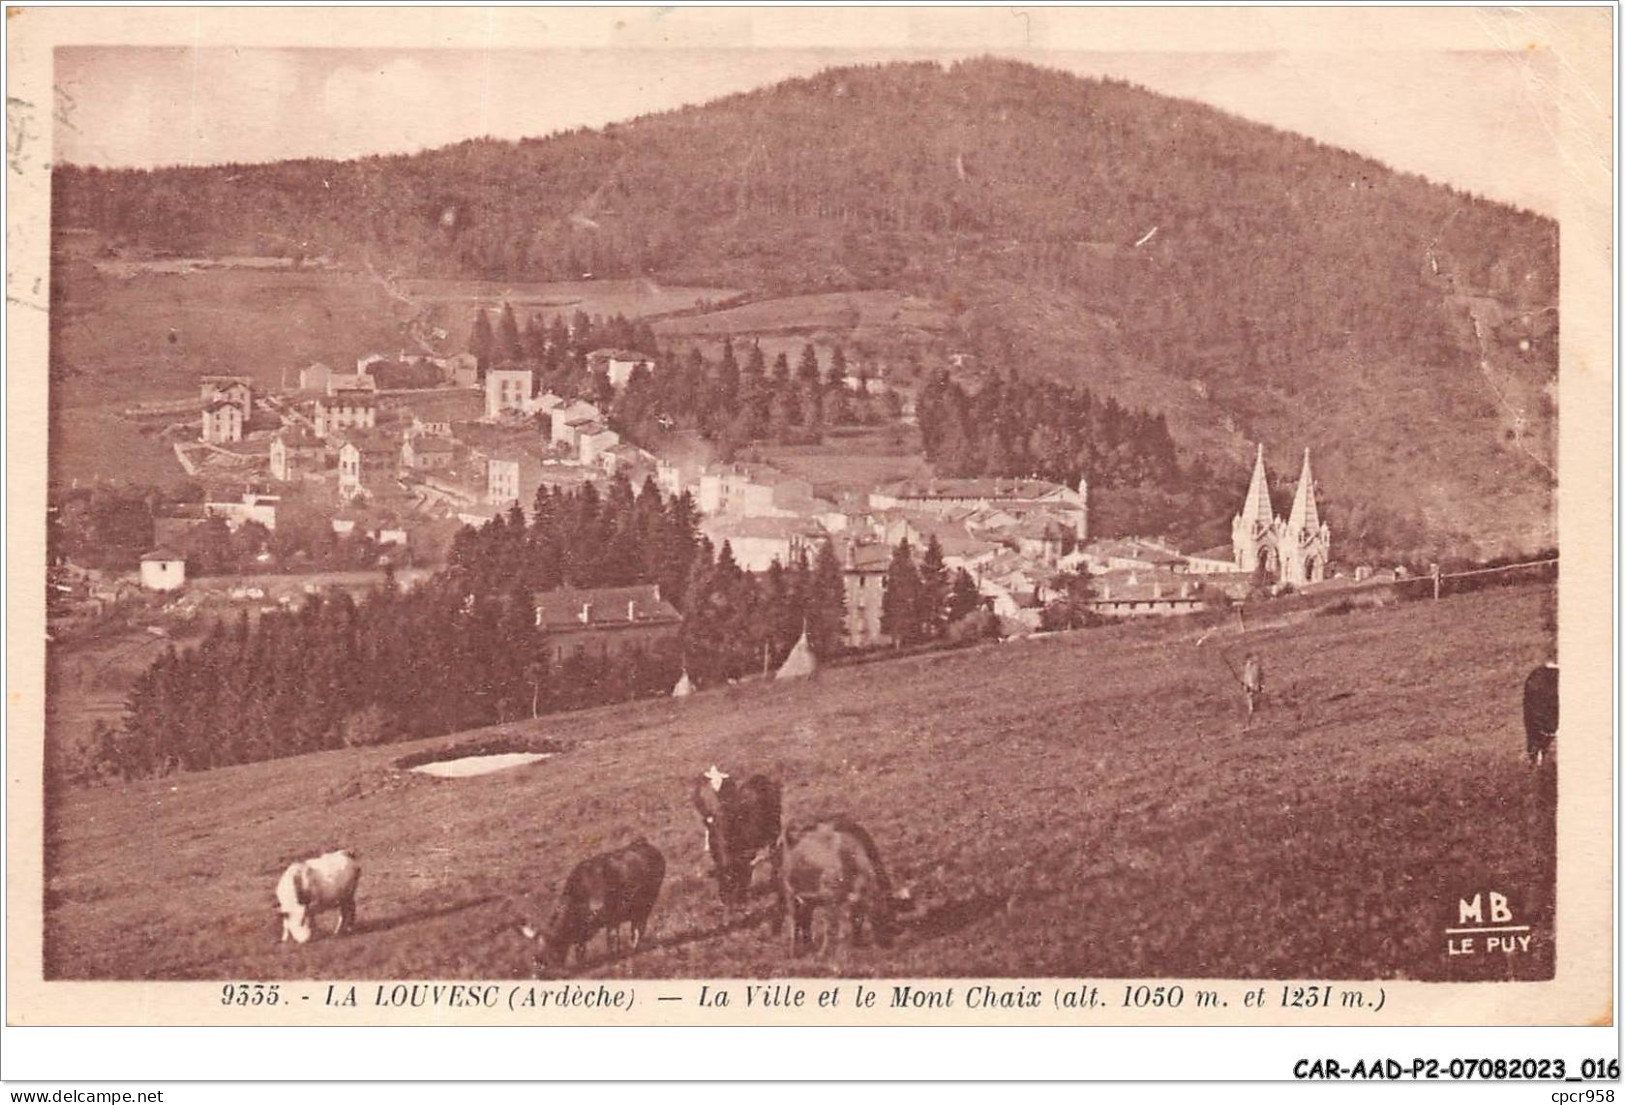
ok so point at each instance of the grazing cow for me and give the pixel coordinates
(1252, 683)
(313, 886)
(1540, 712)
(833, 862)
(605, 892)
(742, 822)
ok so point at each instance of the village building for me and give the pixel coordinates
(593, 441)
(222, 422)
(863, 572)
(252, 507)
(422, 427)
(367, 464)
(163, 570)
(507, 392)
(1132, 554)
(961, 548)
(1211, 561)
(345, 410)
(339, 382)
(427, 452)
(618, 364)
(1016, 497)
(626, 459)
(237, 390)
(1137, 594)
(758, 542)
(1294, 551)
(606, 621)
(512, 475)
(675, 477)
(756, 491)
(569, 420)
(295, 454)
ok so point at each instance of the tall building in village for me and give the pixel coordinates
(1294, 551)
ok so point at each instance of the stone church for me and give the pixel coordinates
(1294, 551)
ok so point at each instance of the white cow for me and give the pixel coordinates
(313, 885)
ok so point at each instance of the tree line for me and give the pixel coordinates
(1013, 427)
(463, 650)
(737, 399)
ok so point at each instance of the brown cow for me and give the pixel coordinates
(742, 822)
(833, 862)
(603, 892)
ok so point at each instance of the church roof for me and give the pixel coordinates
(1256, 509)
(1305, 517)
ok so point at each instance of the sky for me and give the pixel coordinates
(1482, 121)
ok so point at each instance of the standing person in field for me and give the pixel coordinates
(1252, 684)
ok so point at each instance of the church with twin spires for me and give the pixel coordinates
(1294, 551)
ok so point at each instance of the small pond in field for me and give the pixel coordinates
(464, 766)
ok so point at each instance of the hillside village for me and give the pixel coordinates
(404, 450)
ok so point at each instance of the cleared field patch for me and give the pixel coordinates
(122, 341)
(835, 311)
(1083, 806)
(639, 298)
(119, 342)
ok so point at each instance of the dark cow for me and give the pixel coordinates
(833, 862)
(742, 822)
(1540, 712)
(605, 892)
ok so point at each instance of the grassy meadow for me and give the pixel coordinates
(1080, 805)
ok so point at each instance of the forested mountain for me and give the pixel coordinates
(1246, 283)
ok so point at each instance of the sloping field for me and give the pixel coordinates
(1085, 805)
(456, 301)
(804, 313)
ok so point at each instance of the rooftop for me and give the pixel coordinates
(570, 607)
(970, 488)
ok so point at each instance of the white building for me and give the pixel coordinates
(253, 507)
(754, 491)
(618, 364)
(163, 570)
(594, 441)
(507, 391)
(570, 419)
(346, 410)
(222, 422)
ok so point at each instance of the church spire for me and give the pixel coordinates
(1256, 512)
(1305, 518)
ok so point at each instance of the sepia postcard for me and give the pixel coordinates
(744, 516)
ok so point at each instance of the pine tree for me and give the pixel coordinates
(481, 341)
(826, 604)
(508, 345)
(933, 601)
(727, 378)
(899, 610)
(807, 367)
(963, 598)
(837, 369)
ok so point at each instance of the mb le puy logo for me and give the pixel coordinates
(1485, 925)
